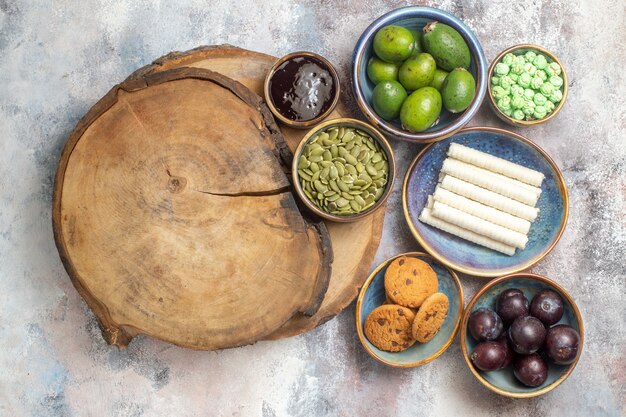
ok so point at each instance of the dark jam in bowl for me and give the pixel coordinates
(302, 88)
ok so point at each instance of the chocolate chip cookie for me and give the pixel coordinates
(409, 281)
(389, 327)
(430, 317)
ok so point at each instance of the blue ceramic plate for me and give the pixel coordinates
(503, 381)
(416, 18)
(469, 258)
(373, 295)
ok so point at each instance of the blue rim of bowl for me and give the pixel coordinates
(363, 290)
(465, 319)
(481, 69)
(472, 271)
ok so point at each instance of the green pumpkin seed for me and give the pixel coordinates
(327, 155)
(333, 186)
(359, 167)
(314, 167)
(333, 197)
(342, 186)
(341, 171)
(347, 196)
(334, 150)
(342, 202)
(355, 206)
(378, 176)
(316, 158)
(325, 172)
(347, 179)
(379, 193)
(347, 137)
(369, 200)
(332, 134)
(351, 160)
(332, 206)
(351, 169)
(354, 192)
(359, 200)
(304, 175)
(368, 205)
(333, 172)
(360, 182)
(371, 170)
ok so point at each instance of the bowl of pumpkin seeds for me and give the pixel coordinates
(343, 170)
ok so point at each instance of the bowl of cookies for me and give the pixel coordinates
(409, 310)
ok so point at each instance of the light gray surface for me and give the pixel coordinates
(57, 58)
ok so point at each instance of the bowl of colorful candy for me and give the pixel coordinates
(522, 335)
(527, 85)
(419, 74)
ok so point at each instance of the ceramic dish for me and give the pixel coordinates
(372, 295)
(414, 17)
(503, 381)
(469, 258)
(517, 50)
(374, 134)
(303, 124)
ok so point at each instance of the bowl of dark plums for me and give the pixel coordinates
(522, 335)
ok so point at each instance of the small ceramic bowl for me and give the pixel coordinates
(374, 134)
(503, 381)
(372, 295)
(519, 50)
(461, 255)
(302, 124)
(416, 18)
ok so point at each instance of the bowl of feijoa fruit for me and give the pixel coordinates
(522, 335)
(419, 74)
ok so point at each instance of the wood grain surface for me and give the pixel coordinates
(174, 216)
(354, 244)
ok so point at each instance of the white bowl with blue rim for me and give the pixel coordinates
(467, 257)
(415, 18)
(373, 295)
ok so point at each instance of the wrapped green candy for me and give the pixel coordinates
(524, 80)
(541, 74)
(549, 106)
(530, 56)
(508, 59)
(506, 82)
(501, 69)
(518, 115)
(546, 89)
(530, 68)
(536, 83)
(508, 112)
(517, 90)
(553, 69)
(504, 103)
(514, 76)
(529, 93)
(517, 66)
(495, 80)
(498, 92)
(540, 61)
(556, 81)
(540, 112)
(518, 101)
(540, 99)
(529, 107)
(556, 96)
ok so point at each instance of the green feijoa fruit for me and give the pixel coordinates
(458, 90)
(417, 37)
(393, 43)
(387, 99)
(438, 79)
(446, 45)
(379, 70)
(421, 109)
(417, 71)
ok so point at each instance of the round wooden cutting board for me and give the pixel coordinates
(174, 215)
(354, 244)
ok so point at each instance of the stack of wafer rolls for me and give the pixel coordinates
(484, 199)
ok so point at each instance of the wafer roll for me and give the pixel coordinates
(482, 211)
(489, 198)
(495, 164)
(493, 182)
(479, 226)
(427, 217)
